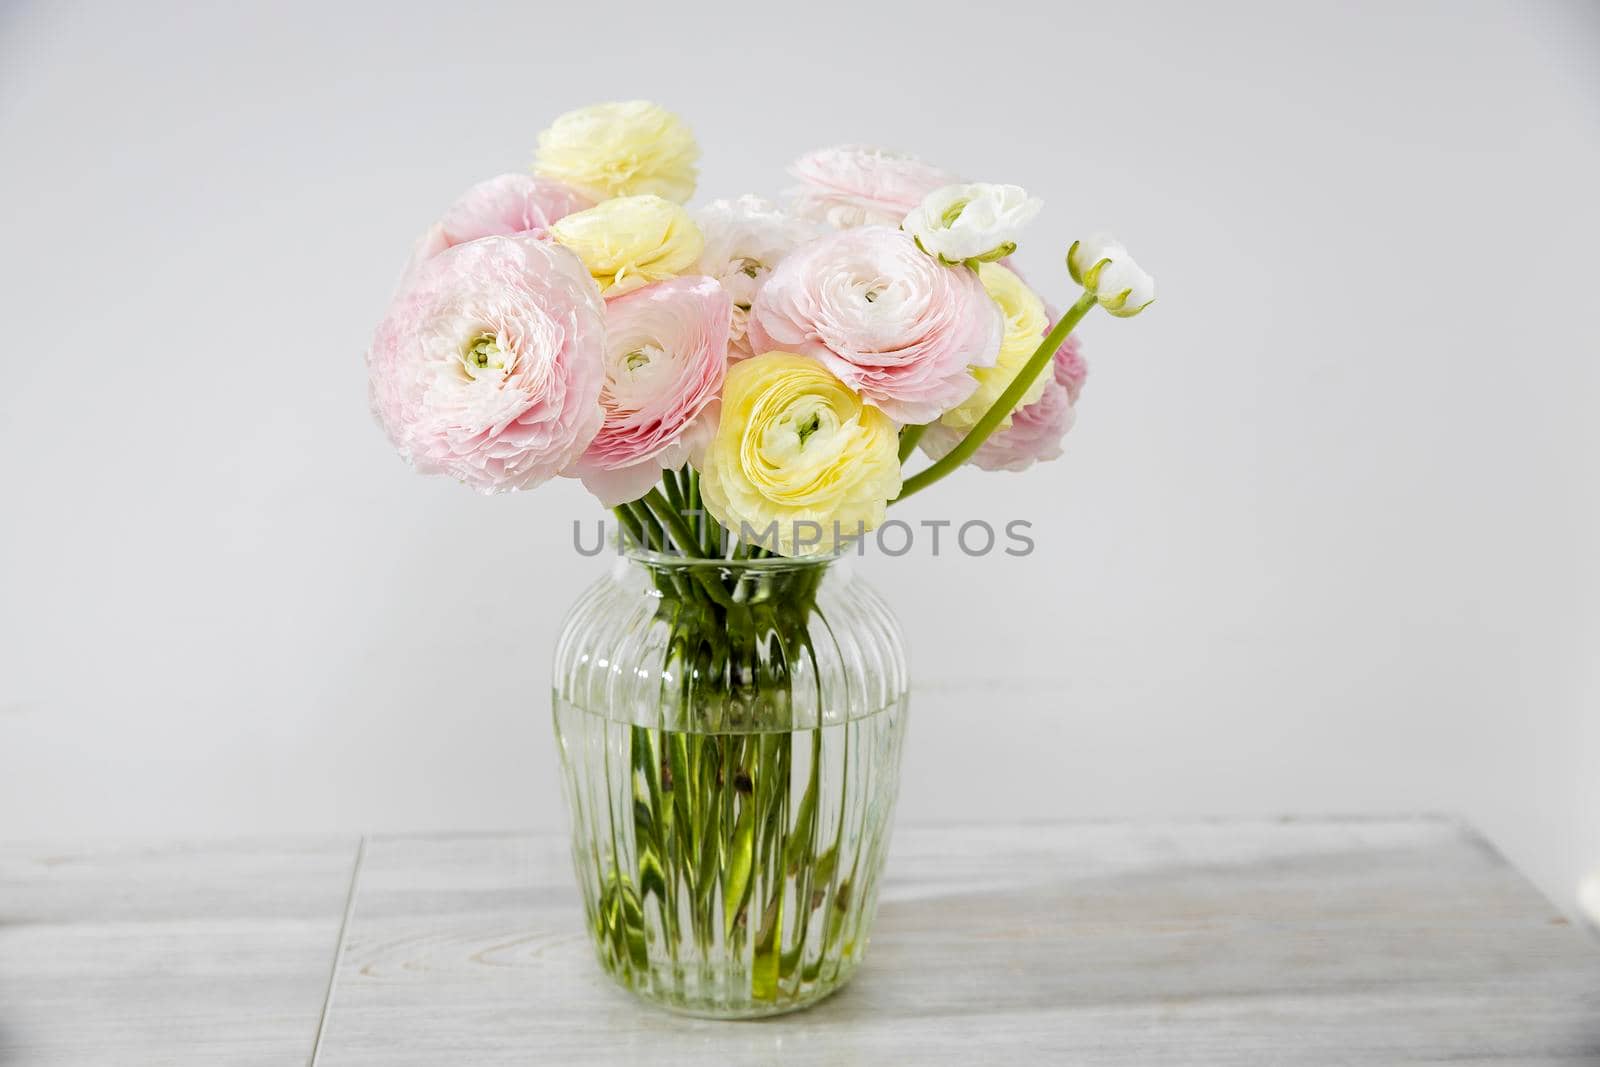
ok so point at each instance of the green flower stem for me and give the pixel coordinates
(669, 482)
(709, 531)
(687, 545)
(1001, 407)
(654, 539)
(673, 521)
(909, 436)
(629, 523)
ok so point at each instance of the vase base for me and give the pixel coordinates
(678, 1002)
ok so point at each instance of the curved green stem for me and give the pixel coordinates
(1001, 407)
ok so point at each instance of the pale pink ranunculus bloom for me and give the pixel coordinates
(1070, 369)
(504, 206)
(1068, 366)
(487, 366)
(665, 353)
(1036, 430)
(744, 240)
(860, 185)
(887, 320)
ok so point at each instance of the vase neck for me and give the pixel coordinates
(728, 582)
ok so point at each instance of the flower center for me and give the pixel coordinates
(798, 439)
(642, 358)
(868, 286)
(750, 268)
(637, 375)
(485, 356)
(952, 213)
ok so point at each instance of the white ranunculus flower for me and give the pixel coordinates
(744, 240)
(979, 221)
(1101, 265)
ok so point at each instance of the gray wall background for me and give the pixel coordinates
(1323, 542)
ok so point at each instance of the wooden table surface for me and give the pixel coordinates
(1360, 941)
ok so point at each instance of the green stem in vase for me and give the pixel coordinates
(629, 523)
(674, 494)
(654, 538)
(710, 531)
(672, 520)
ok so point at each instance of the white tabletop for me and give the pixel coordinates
(1238, 942)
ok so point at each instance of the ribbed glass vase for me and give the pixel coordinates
(730, 734)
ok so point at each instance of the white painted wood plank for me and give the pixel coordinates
(1368, 941)
(213, 953)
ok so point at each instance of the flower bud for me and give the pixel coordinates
(1102, 266)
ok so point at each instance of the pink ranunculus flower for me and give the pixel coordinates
(1070, 369)
(859, 185)
(665, 353)
(887, 320)
(503, 206)
(1036, 430)
(487, 366)
(744, 240)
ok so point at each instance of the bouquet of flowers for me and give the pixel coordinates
(777, 367)
(743, 383)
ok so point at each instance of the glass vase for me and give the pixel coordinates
(730, 735)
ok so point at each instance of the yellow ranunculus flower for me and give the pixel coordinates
(798, 461)
(620, 149)
(1026, 324)
(631, 241)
